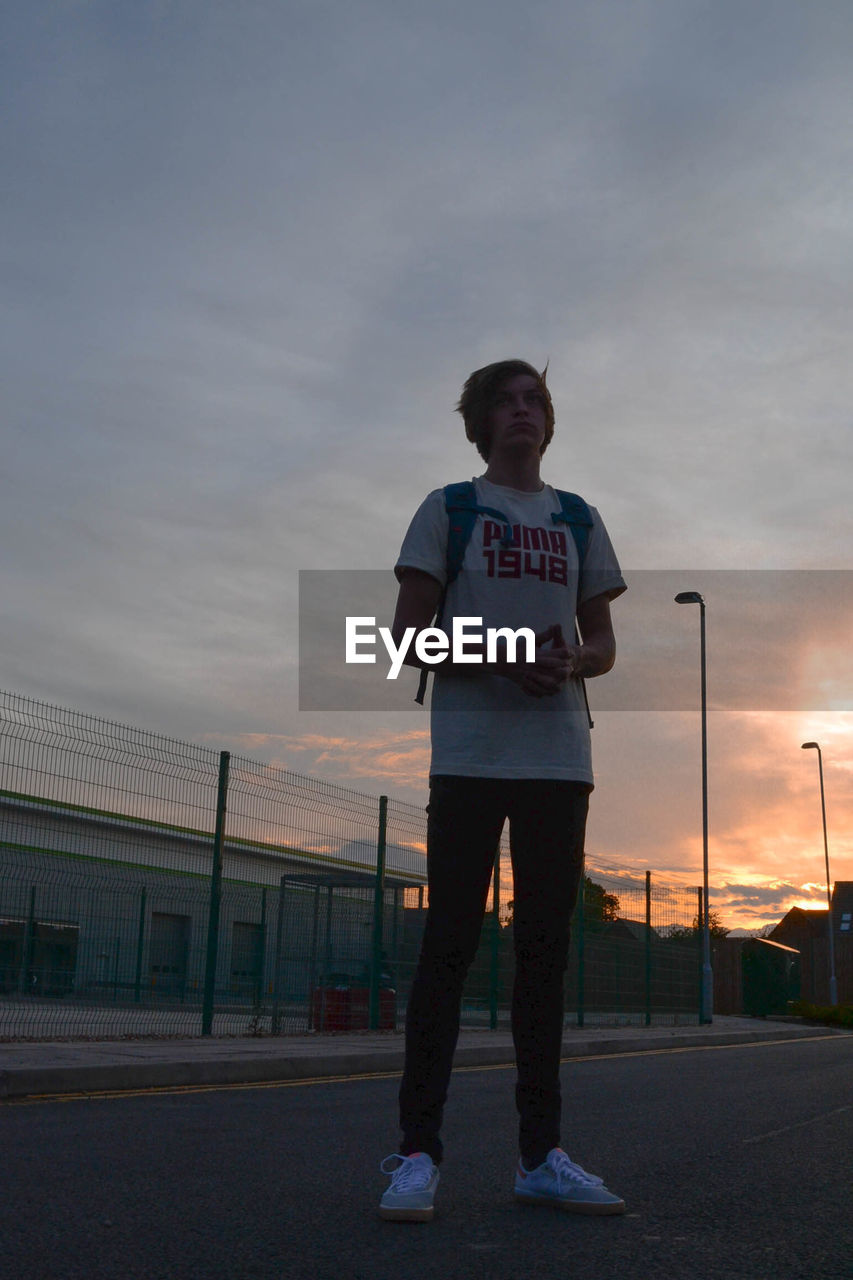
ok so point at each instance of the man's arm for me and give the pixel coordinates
(417, 603)
(597, 653)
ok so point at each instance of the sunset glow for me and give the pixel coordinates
(765, 832)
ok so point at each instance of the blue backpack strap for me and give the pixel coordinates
(460, 503)
(576, 514)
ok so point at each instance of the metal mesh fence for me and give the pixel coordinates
(133, 904)
(633, 960)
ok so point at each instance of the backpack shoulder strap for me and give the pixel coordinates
(460, 503)
(576, 514)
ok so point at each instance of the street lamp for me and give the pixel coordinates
(833, 986)
(706, 1013)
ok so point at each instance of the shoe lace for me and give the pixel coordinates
(566, 1170)
(411, 1174)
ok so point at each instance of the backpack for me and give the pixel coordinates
(460, 503)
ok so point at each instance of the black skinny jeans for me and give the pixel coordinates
(547, 825)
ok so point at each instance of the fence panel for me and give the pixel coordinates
(106, 860)
(105, 855)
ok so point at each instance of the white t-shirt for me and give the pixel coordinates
(483, 725)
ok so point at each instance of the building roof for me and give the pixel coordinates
(805, 923)
(33, 824)
(801, 924)
(632, 928)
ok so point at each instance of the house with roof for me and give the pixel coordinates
(807, 930)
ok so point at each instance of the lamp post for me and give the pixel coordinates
(833, 986)
(706, 1014)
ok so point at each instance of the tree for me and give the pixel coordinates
(717, 928)
(599, 906)
(681, 933)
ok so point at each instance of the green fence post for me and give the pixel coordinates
(378, 902)
(648, 948)
(580, 930)
(215, 897)
(140, 942)
(494, 973)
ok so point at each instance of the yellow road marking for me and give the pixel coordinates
(703, 1048)
(299, 1082)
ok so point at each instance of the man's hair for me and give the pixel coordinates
(479, 393)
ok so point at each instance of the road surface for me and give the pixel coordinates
(735, 1162)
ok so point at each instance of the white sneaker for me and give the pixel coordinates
(413, 1182)
(565, 1185)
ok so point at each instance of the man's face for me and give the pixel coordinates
(516, 418)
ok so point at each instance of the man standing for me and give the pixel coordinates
(510, 739)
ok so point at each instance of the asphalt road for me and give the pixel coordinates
(734, 1162)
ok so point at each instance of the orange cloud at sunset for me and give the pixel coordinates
(765, 831)
(378, 762)
(779, 674)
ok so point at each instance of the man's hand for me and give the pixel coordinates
(551, 668)
(555, 661)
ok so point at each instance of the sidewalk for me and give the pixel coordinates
(89, 1066)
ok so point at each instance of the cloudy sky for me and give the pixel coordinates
(249, 254)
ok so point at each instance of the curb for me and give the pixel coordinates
(33, 1082)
